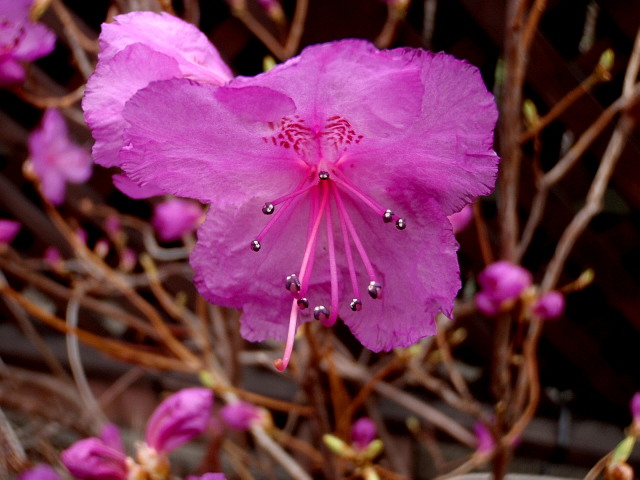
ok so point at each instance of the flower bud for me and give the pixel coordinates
(174, 218)
(501, 282)
(92, 459)
(39, 472)
(181, 417)
(8, 230)
(240, 415)
(484, 439)
(363, 432)
(549, 306)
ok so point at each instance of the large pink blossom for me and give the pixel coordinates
(337, 146)
(135, 50)
(21, 40)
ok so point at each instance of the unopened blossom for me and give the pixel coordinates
(461, 220)
(549, 306)
(330, 177)
(8, 230)
(94, 459)
(136, 49)
(240, 415)
(55, 159)
(176, 217)
(501, 282)
(484, 439)
(21, 40)
(179, 418)
(39, 472)
(273, 9)
(363, 432)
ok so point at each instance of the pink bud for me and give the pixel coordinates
(92, 459)
(500, 282)
(549, 306)
(39, 472)
(8, 230)
(363, 432)
(179, 418)
(484, 439)
(635, 407)
(174, 218)
(53, 258)
(240, 415)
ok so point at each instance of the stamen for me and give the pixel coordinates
(292, 284)
(311, 242)
(349, 255)
(374, 289)
(323, 175)
(356, 305)
(295, 193)
(281, 363)
(371, 203)
(303, 303)
(321, 313)
(401, 224)
(333, 271)
(268, 208)
(354, 235)
(387, 216)
(255, 246)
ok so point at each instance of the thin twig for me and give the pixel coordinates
(292, 44)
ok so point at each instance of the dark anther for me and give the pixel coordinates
(356, 305)
(320, 312)
(292, 283)
(303, 303)
(401, 224)
(255, 246)
(387, 216)
(323, 175)
(374, 289)
(268, 208)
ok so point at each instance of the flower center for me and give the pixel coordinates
(324, 186)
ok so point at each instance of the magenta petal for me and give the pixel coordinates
(179, 418)
(166, 34)
(109, 88)
(39, 472)
(92, 459)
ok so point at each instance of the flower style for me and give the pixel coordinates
(55, 159)
(20, 40)
(309, 167)
(501, 283)
(135, 50)
(174, 218)
(8, 230)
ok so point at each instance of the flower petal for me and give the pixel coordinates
(198, 141)
(164, 33)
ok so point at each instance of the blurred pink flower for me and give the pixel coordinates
(240, 415)
(549, 306)
(39, 472)
(330, 147)
(363, 432)
(461, 220)
(484, 438)
(95, 459)
(174, 218)
(21, 40)
(56, 160)
(500, 283)
(135, 50)
(179, 418)
(8, 230)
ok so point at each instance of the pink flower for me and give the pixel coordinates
(363, 432)
(549, 306)
(328, 145)
(21, 40)
(39, 472)
(461, 220)
(484, 438)
(174, 218)
(135, 50)
(95, 459)
(501, 282)
(55, 158)
(179, 418)
(240, 415)
(8, 230)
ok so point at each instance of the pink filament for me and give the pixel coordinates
(371, 203)
(349, 255)
(281, 363)
(354, 235)
(298, 191)
(333, 271)
(311, 242)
